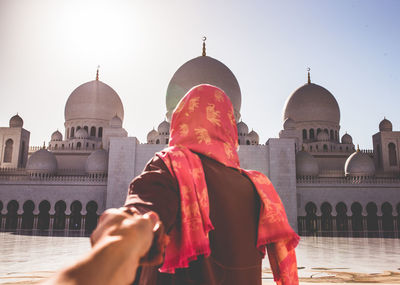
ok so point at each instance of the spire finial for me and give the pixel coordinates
(309, 77)
(204, 46)
(97, 73)
(44, 145)
(358, 147)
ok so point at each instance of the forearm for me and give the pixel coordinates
(104, 265)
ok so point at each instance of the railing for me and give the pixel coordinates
(55, 179)
(347, 180)
(349, 226)
(65, 149)
(12, 171)
(49, 225)
(35, 148)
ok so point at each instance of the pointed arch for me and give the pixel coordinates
(8, 150)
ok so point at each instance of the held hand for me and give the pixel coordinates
(135, 231)
(119, 242)
(153, 256)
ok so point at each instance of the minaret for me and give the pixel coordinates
(204, 46)
(309, 77)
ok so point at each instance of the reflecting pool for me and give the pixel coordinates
(25, 257)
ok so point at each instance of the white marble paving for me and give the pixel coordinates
(23, 255)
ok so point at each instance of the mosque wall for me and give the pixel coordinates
(121, 169)
(348, 194)
(389, 151)
(282, 173)
(127, 159)
(254, 157)
(332, 162)
(144, 153)
(53, 191)
(72, 161)
(14, 143)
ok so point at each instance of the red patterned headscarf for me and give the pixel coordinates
(204, 123)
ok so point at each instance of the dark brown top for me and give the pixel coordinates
(234, 210)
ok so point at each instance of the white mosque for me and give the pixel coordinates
(328, 186)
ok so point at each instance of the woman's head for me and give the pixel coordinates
(204, 122)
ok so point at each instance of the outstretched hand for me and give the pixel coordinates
(120, 242)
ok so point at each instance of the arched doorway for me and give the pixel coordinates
(341, 219)
(372, 220)
(12, 216)
(392, 154)
(27, 216)
(59, 216)
(91, 216)
(387, 220)
(326, 219)
(44, 216)
(311, 218)
(357, 219)
(8, 150)
(312, 136)
(76, 217)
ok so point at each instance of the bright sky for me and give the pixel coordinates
(48, 48)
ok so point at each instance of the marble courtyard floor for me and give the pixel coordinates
(27, 259)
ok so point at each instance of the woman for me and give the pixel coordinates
(219, 218)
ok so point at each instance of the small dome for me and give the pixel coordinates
(323, 136)
(16, 122)
(116, 122)
(253, 136)
(242, 128)
(306, 164)
(81, 134)
(289, 124)
(56, 136)
(385, 126)
(346, 138)
(97, 162)
(151, 136)
(203, 70)
(311, 103)
(163, 128)
(42, 162)
(359, 164)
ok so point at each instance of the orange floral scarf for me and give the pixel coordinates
(203, 122)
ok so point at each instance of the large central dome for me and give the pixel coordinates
(203, 69)
(93, 100)
(312, 102)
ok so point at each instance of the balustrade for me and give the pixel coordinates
(312, 226)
